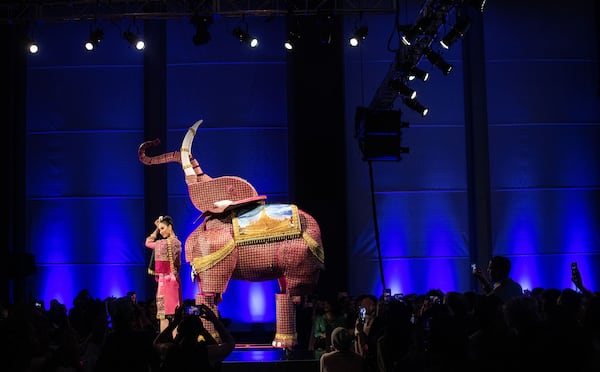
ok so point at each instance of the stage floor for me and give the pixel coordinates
(265, 358)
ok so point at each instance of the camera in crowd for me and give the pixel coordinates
(194, 310)
(362, 313)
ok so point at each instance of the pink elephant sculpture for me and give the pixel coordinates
(242, 237)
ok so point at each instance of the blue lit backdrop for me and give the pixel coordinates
(85, 184)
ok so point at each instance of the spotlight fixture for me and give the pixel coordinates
(358, 36)
(325, 25)
(404, 90)
(202, 36)
(477, 4)
(134, 40)
(410, 36)
(455, 33)
(415, 72)
(291, 41)
(415, 105)
(245, 37)
(33, 47)
(96, 35)
(437, 60)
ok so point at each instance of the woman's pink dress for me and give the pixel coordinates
(167, 262)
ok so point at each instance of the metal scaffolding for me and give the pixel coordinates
(84, 10)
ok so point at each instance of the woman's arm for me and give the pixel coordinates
(219, 351)
(478, 274)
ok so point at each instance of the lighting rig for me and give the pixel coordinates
(382, 141)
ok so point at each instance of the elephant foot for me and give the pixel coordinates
(285, 335)
(284, 341)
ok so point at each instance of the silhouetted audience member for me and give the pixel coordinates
(396, 340)
(442, 340)
(527, 337)
(342, 358)
(367, 329)
(81, 314)
(500, 284)
(193, 348)
(590, 323)
(487, 346)
(578, 281)
(328, 316)
(63, 347)
(546, 329)
(126, 348)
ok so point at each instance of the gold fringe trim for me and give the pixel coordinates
(281, 336)
(258, 240)
(314, 247)
(204, 263)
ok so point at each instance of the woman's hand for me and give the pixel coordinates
(478, 274)
(179, 312)
(208, 314)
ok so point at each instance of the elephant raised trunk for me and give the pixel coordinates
(190, 164)
(169, 157)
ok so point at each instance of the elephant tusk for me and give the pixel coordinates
(222, 203)
(186, 149)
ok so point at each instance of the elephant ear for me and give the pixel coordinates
(235, 190)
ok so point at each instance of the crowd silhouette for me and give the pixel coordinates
(541, 329)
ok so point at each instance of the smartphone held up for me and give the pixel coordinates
(194, 310)
(362, 314)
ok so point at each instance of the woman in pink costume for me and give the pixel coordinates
(167, 263)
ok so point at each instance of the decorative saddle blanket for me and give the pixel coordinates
(265, 223)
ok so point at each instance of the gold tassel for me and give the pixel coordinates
(206, 262)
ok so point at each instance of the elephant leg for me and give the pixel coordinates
(209, 300)
(282, 284)
(283, 288)
(285, 334)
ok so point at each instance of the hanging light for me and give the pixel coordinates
(477, 4)
(410, 36)
(455, 33)
(201, 36)
(359, 34)
(415, 105)
(415, 72)
(96, 35)
(244, 37)
(33, 47)
(325, 25)
(437, 60)
(402, 89)
(292, 39)
(134, 40)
